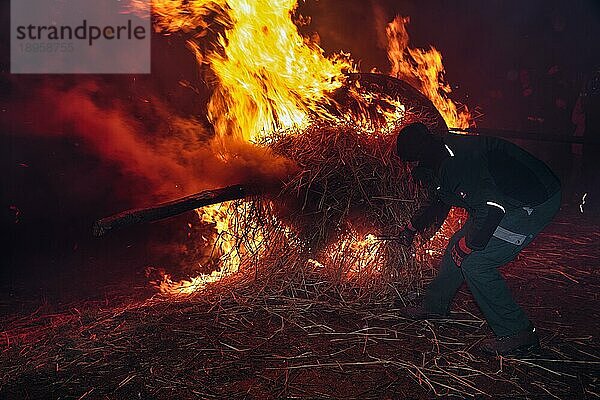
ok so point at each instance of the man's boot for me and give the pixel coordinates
(518, 344)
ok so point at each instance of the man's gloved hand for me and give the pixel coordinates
(460, 251)
(407, 235)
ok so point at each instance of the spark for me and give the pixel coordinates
(582, 202)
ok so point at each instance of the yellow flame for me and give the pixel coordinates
(268, 76)
(425, 71)
(389, 111)
(227, 246)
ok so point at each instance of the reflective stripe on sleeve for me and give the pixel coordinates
(491, 203)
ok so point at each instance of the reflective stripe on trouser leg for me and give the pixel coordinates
(500, 309)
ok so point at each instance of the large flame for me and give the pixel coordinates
(425, 71)
(268, 77)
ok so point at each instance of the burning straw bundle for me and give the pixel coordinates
(349, 180)
(350, 192)
(329, 219)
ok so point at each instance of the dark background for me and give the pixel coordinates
(517, 65)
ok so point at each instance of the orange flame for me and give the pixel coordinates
(424, 70)
(269, 77)
(225, 246)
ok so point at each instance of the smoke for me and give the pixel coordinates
(381, 19)
(174, 154)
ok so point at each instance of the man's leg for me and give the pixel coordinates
(485, 282)
(443, 288)
(489, 288)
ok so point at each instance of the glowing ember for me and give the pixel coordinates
(357, 253)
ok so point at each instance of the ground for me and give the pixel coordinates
(310, 341)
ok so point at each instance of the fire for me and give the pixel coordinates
(269, 78)
(359, 252)
(222, 248)
(187, 287)
(424, 70)
(389, 111)
(227, 246)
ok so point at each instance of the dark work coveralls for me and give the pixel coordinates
(510, 197)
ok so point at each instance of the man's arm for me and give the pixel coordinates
(486, 218)
(471, 180)
(432, 214)
(486, 208)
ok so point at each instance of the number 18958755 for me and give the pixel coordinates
(47, 47)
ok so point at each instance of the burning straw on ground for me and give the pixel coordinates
(293, 334)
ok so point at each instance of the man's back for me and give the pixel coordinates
(516, 173)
